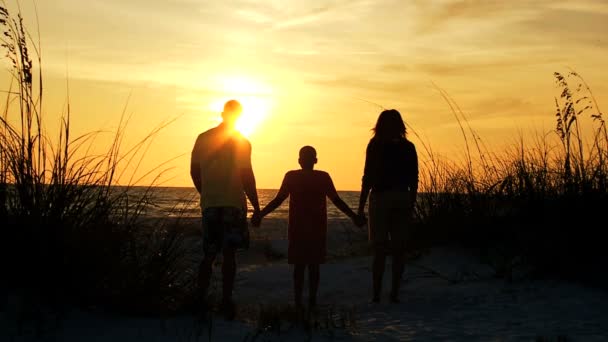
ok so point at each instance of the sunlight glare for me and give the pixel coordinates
(254, 97)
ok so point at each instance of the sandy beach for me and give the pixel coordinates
(447, 295)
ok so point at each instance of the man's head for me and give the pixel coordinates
(232, 112)
(308, 157)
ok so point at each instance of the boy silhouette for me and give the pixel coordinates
(307, 190)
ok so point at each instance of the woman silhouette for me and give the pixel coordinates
(391, 174)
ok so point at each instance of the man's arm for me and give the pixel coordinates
(195, 166)
(249, 186)
(247, 176)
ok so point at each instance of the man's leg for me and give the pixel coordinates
(298, 283)
(314, 275)
(228, 274)
(204, 275)
(228, 277)
(211, 245)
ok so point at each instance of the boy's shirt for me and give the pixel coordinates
(308, 191)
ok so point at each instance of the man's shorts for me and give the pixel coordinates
(224, 227)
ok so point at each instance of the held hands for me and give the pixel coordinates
(360, 220)
(256, 219)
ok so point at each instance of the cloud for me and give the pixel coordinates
(589, 6)
(494, 106)
(492, 64)
(367, 84)
(438, 15)
(396, 68)
(254, 16)
(288, 16)
(308, 17)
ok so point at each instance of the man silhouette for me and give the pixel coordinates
(221, 172)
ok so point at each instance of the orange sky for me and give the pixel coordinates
(305, 68)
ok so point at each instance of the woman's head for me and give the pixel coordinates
(389, 125)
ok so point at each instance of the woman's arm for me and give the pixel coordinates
(363, 199)
(414, 171)
(368, 174)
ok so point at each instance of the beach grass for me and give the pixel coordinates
(70, 234)
(537, 204)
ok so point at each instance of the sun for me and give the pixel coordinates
(255, 98)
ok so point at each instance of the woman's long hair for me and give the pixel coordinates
(389, 126)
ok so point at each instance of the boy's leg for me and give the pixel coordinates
(314, 275)
(298, 283)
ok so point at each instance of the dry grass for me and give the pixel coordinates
(69, 233)
(536, 204)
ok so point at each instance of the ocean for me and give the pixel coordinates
(184, 202)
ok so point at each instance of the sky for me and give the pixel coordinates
(311, 72)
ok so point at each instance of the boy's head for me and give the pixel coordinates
(308, 157)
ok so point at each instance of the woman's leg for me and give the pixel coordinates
(397, 269)
(400, 221)
(314, 276)
(378, 233)
(378, 271)
(298, 283)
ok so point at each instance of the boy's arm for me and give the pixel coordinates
(275, 203)
(340, 204)
(279, 198)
